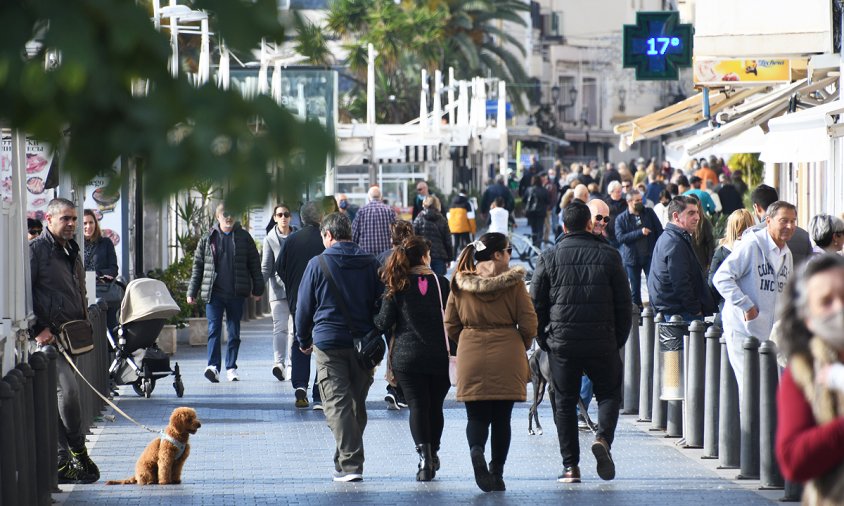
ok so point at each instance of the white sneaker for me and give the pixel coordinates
(231, 374)
(211, 374)
(346, 477)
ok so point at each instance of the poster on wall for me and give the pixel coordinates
(108, 210)
(258, 219)
(719, 72)
(39, 156)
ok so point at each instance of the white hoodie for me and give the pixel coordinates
(747, 278)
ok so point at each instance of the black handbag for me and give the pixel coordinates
(76, 337)
(371, 348)
(111, 293)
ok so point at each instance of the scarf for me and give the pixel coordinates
(88, 259)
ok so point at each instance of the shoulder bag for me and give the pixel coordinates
(76, 337)
(452, 359)
(370, 349)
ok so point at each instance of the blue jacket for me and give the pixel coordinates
(627, 233)
(677, 283)
(319, 320)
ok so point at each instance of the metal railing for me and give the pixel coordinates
(29, 414)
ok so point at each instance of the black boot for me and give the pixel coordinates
(85, 462)
(435, 458)
(482, 476)
(426, 465)
(497, 473)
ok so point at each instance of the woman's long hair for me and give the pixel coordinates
(405, 256)
(494, 242)
(739, 221)
(97, 232)
(794, 335)
(400, 230)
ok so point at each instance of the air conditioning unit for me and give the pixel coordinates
(551, 24)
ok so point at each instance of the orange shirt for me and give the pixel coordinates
(707, 174)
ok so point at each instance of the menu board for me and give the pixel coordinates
(107, 208)
(39, 156)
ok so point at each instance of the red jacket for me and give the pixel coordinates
(805, 450)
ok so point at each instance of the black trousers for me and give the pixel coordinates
(425, 394)
(537, 227)
(566, 372)
(485, 414)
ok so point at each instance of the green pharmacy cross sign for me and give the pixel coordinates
(657, 45)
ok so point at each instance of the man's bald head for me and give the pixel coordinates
(599, 208)
(581, 192)
(374, 193)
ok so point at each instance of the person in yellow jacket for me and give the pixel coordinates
(461, 221)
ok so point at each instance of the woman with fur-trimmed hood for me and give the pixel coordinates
(810, 400)
(490, 315)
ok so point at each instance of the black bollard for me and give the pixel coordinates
(769, 474)
(53, 405)
(728, 413)
(711, 393)
(695, 385)
(674, 413)
(8, 457)
(18, 382)
(631, 366)
(749, 414)
(659, 407)
(646, 354)
(38, 362)
(29, 477)
(793, 492)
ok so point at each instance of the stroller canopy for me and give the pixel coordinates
(147, 299)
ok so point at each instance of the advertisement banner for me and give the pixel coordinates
(39, 156)
(717, 72)
(107, 208)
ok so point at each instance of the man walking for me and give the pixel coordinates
(637, 230)
(583, 322)
(752, 278)
(676, 282)
(421, 193)
(323, 328)
(296, 251)
(58, 296)
(226, 270)
(371, 228)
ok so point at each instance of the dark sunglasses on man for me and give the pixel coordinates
(283, 214)
(605, 219)
(35, 231)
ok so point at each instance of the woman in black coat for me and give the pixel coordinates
(414, 300)
(537, 202)
(432, 225)
(101, 258)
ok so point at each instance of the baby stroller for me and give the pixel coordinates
(138, 361)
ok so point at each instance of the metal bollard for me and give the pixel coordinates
(728, 413)
(16, 379)
(711, 393)
(659, 407)
(749, 414)
(631, 366)
(8, 457)
(53, 405)
(770, 475)
(27, 475)
(646, 354)
(695, 385)
(40, 395)
(792, 493)
(674, 418)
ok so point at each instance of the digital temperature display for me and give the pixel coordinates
(657, 45)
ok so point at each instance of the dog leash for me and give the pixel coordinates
(104, 398)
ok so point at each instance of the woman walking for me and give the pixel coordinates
(432, 225)
(413, 302)
(491, 317)
(277, 231)
(101, 258)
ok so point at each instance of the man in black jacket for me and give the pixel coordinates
(227, 268)
(296, 251)
(636, 231)
(583, 304)
(58, 296)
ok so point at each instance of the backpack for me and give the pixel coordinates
(531, 201)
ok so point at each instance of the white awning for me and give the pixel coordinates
(801, 136)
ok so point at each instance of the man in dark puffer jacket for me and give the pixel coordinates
(227, 268)
(583, 303)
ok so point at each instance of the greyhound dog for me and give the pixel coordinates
(540, 375)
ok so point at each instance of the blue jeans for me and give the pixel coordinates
(585, 392)
(300, 368)
(438, 266)
(233, 308)
(634, 274)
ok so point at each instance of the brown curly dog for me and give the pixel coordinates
(164, 457)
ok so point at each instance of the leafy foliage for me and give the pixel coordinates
(751, 167)
(89, 103)
(176, 277)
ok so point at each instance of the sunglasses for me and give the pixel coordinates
(605, 219)
(36, 231)
(283, 214)
(509, 250)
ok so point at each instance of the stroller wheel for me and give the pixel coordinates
(138, 388)
(179, 387)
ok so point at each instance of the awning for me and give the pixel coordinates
(528, 136)
(802, 136)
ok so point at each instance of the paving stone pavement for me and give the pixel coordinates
(254, 447)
